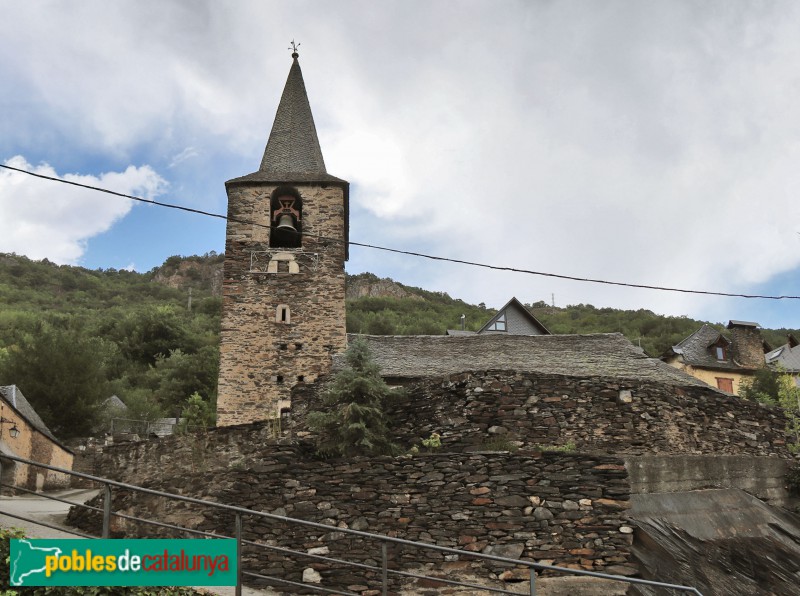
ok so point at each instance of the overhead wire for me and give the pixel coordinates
(410, 253)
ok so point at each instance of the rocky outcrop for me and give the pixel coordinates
(200, 273)
(361, 286)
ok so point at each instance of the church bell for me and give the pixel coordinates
(286, 222)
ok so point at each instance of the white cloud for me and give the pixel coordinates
(186, 154)
(650, 143)
(652, 147)
(41, 218)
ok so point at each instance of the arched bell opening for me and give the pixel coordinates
(286, 218)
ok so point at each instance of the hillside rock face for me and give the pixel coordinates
(360, 287)
(205, 274)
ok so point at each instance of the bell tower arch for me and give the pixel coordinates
(283, 314)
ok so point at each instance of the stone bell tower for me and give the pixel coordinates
(283, 314)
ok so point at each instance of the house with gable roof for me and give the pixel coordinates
(722, 361)
(24, 434)
(786, 358)
(512, 319)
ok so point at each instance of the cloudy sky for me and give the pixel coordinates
(646, 142)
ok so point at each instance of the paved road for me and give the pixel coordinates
(43, 510)
(54, 513)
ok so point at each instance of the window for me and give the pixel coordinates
(300, 378)
(499, 323)
(283, 315)
(284, 346)
(724, 384)
(298, 347)
(720, 351)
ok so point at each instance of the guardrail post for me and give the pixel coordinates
(532, 571)
(384, 569)
(238, 554)
(107, 511)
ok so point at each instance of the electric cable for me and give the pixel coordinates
(411, 253)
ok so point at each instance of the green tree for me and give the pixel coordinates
(354, 422)
(197, 415)
(776, 387)
(764, 387)
(61, 373)
(175, 378)
(789, 400)
(146, 334)
(142, 405)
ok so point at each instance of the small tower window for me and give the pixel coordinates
(284, 346)
(300, 378)
(298, 347)
(283, 315)
(279, 379)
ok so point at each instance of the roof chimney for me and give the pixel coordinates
(747, 345)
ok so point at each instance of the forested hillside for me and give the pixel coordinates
(71, 337)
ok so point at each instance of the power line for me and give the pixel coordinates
(411, 253)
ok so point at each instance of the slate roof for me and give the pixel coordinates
(787, 357)
(14, 397)
(695, 350)
(733, 323)
(597, 355)
(293, 153)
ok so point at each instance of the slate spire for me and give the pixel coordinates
(293, 147)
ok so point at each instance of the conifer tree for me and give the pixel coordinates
(354, 422)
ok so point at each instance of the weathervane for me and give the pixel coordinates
(294, 49)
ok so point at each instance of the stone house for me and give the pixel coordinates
(31, 440)
(719, 360)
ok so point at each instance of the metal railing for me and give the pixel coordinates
(141, 427)
(384, 571)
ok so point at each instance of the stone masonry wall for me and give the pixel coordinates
(262, 356)
(563, 509)
(476, 410)
(461, 495)
(748, 346)
(479, 410)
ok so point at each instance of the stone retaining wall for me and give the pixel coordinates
(496, 410)
(475, 409)
(563, 509)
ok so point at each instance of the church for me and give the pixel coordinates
(283, 314)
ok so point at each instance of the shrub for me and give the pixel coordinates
(354, 422)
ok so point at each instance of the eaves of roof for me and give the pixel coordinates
(13, 398)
